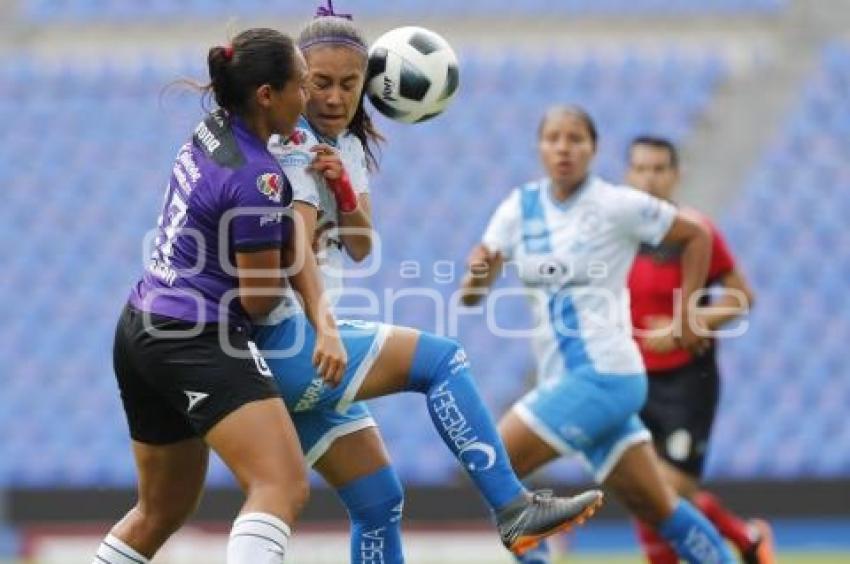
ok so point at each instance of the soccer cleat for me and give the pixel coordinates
(531, 518)
(762, 550)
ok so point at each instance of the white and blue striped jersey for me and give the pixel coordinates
(294, 155)
(574, 257)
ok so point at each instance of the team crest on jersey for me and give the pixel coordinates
(298, 137)
(271, 185)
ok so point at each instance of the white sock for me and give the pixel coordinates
(257, 538)
(115, 551)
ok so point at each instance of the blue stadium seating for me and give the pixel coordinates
(84, 174)
(44, 11)
(791, 371)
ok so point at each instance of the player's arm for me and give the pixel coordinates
(259, 292)
(355, 217)
(736, 300)
(356, 229)
(694, 237)
(482, 268)
(256, 243)
(329, 355)
(487, 259)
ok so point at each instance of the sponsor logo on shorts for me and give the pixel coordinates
(194, 398)
(679, 444)
(474, 454)
(270, 184)
(311, 395)
(259, 361)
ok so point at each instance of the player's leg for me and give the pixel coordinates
(229, 398)
(527, 452)
(438, 368)
(566, 416)
(170, 482)
(259, 445)
(701, 395)
(171, 461)
(680, 412)
(671, 415)
(526, 449)
(385, 360)
(341, 443)
(358, 467)
(753, 538)
(637, 480)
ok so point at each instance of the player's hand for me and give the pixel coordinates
(481, 260)
(329, 164)
(330, 358)
(691, 339)
(661, 339)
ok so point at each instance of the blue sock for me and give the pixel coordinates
(694, 537)
(539, 555)
(440, 370)
(374, 505)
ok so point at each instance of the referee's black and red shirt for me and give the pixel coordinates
(656, 274)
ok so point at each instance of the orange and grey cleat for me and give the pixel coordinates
(762, 551)
(535, 516)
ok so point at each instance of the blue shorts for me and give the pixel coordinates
(321, 414)
(592, 414)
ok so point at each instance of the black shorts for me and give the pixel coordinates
(175, 387)
(680, 409)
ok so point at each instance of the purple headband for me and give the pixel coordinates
(333, 40)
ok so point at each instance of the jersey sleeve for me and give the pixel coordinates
(722, 261)
(356, 166)
(260, 197)
(640, 216)
(503, 233)
(294, 157)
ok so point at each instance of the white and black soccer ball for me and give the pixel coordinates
(413, 74)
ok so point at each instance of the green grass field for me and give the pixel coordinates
(784, 558)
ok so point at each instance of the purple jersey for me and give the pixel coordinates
(227, 193)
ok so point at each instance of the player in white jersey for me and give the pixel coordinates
(326, 162)
(573, 237)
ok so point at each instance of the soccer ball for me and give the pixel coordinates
(412, 74)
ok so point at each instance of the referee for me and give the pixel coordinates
(684, 387)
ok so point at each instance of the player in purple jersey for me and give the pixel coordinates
(189, 376)
(327, 163)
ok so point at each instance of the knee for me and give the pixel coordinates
(436, 358)
(161, 520)
(296, 492)
(285, 498)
